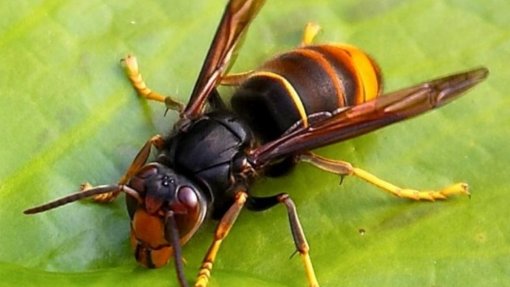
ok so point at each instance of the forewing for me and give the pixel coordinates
(361, 119)
(236, 18)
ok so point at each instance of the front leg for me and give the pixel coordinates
(138, 162)
(222, 230)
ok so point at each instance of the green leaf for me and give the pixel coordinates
(69, 115)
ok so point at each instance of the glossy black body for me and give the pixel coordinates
(210, 151)
(259, 101)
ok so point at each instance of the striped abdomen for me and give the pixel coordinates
(309, 80)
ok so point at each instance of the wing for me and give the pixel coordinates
(361, 119)
(236, 18)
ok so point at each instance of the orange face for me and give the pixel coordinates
(148, 241)
(167, 203)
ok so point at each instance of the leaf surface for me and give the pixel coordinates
(69, 116)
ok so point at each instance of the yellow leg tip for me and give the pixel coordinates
(202, 281)
(311, 31)
(310, 273)
(85, 186)
(203, 275)
(130, 64)
(460, 188)
(431, 195)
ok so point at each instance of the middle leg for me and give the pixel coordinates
(222, 230)
(298, 235)
(135, 77)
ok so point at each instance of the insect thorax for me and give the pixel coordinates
(210, 152)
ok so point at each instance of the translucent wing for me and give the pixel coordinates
(236, 18)
(361, 119)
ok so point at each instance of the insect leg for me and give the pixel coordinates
(138, 162)
(235, 79)
(131, 67)
(216, 102)
(262, 203)
(222, 230)
(343, 168)
(310, 32)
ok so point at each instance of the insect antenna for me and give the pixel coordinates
(102, 189)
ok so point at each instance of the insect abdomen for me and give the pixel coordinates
(302, 82)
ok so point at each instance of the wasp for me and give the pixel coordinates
(309, 97)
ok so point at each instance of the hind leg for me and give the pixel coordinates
(343, 168)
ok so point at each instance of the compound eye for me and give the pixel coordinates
(187, 197)
(189, 211)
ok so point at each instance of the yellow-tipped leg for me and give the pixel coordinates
(235, 79)
(141, 157)
(138, 162)
(135, 77)
(344, 168)
(299, 239)
(454, 189)
(310, 273)
(309, 34)
(298, 235)
(222, 230)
